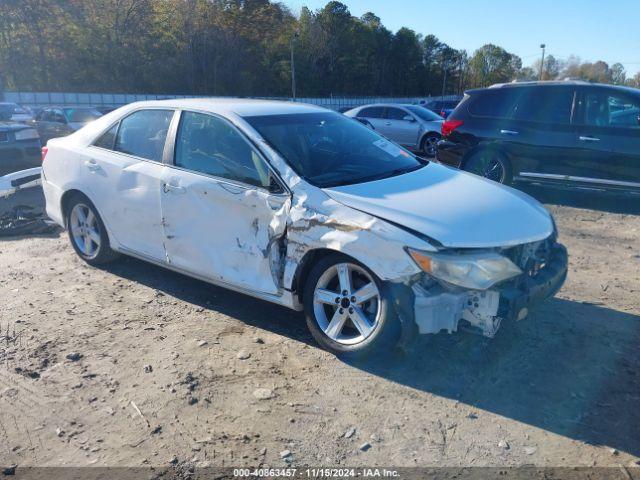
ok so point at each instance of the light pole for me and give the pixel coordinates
(542, 45)
(444, 81)
(296, 34)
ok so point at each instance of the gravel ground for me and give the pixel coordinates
(133, 365)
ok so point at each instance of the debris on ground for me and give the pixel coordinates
(263, 393)
(22, 220)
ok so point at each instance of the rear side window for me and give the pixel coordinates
(371, 112)
(496, 103)
(210, 145)
(107, 139)
(143, 134)
(545, 104)
(604, 109)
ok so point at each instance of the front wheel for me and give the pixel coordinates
(347, 308)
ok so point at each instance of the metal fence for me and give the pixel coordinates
(43, 99)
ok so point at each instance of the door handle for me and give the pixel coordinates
(588, 139)
(509, 132)
(387, 123)
(168, 188)
(92, 165)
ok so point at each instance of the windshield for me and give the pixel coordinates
(81, 114)
(423, 113)
(329, 149)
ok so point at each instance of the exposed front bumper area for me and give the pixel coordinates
(438, 308)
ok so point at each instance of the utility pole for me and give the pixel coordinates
(296, 34)
(444, 79)
(542, 46)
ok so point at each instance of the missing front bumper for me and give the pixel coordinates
(439, 310)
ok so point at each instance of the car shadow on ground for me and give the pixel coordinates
(603, 202)
(249, 310)
(570, 368)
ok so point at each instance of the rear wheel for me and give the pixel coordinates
(87, 232)
(429, 144)
(347, 308)
(490, 164)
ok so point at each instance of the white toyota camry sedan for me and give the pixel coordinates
(304, 207)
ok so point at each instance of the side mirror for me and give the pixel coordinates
(408, 118)
(638, 119)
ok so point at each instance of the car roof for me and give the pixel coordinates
(388, 105)
(240, 106)
(552, 83)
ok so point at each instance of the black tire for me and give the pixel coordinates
(386, 332)
(103, 252)
(483, 164)
(428, 145)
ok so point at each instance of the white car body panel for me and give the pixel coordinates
(456, 208)
(253, 241)
(221, 229)
(127, 192)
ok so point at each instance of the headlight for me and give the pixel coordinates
(27, 134)
(478, 271)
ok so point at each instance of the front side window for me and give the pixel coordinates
(81, 115)
(545, 104)
(329, 149)
(396, 114)
(210, 145)
(603, 109)
(371, 112)
(143, 134)
(57, 116)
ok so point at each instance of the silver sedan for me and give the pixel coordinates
(411, 126)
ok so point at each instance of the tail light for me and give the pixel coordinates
(44, 151)
(449, 126)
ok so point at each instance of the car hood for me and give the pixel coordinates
(455, 208)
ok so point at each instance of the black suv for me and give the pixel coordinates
(569, 134)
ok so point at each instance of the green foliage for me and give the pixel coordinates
(243, 47)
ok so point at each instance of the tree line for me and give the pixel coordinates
(243, 47)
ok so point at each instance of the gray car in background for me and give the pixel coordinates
(411, 126)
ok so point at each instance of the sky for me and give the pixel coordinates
(606, 30)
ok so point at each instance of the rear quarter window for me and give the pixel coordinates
(494, 103)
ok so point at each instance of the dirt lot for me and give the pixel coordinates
(134, 365)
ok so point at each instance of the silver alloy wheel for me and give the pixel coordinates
(430, 146)
(85, 230)
(346, 304)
